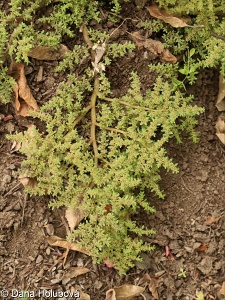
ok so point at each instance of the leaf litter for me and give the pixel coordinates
(24, 100)
(155, 47)
(174, 21)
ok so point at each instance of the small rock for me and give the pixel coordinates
(40, 273)
(48, 251)
(39, 259)
(6, 179)
(49, 82)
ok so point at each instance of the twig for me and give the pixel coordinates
(127, 104)
(186, 186)
(86, 110)
(93, 118)
(110, 128)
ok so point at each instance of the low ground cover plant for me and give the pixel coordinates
(100, 153)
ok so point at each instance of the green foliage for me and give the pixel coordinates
(206, 36)
(131, 133)
(98, 153)
(182, 273)
(6, 85)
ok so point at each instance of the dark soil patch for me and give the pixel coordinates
(183, 224)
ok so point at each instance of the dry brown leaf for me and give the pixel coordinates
(220, 128)
(128, 291)
(110, 295)
(59, 242)
(153, 289)
(167, 56)
(221, 137)
(16, 146)
(222, 290)
(83, 296)
(220, 104)
(48, 53)
(27, 182)
(155, 47)
(161, 14)
(210, 220)
(24, 100)
(151, 283)
(75, 271)
(73, 217)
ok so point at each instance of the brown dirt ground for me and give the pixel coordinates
(190, 220)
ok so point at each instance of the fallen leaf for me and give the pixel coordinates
(75, 271)
(59, 242)
(222, 290)
(73, 217)
(221, 137)
(27, 182)
(167, 251)
(48, 53)
(151, 283)
(202, 247)
(110, 295)
(220, 127)
(108, 263)
(220, 103)
(210, 220)
(167, 56)
(83, 296)
(99, 52)
(153, 289)
(24, 100)
(161, 14)
(155, 47)
(16, 146)
(9, 117)
(127, 292)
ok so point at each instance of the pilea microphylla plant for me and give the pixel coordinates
(100, 153)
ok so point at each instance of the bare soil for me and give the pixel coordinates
(190, 221)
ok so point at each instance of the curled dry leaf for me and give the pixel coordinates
(220, 128)
(16, 146)
(74, 217)
(99, 52)
(24, 100)
(27, 182)
(161, 14)
(155, 47)
(220, 104)
(222, 290)
(210, 220)
(150, 283)
(110, 295)
(48, 53)
(124, 292)
(75, 271)
(59, 242)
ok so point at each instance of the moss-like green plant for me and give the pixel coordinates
(101, 156)
(98, 153)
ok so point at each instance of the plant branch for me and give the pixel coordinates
(111, 129)
(127, 104)
(93, 118)
(82, 115)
